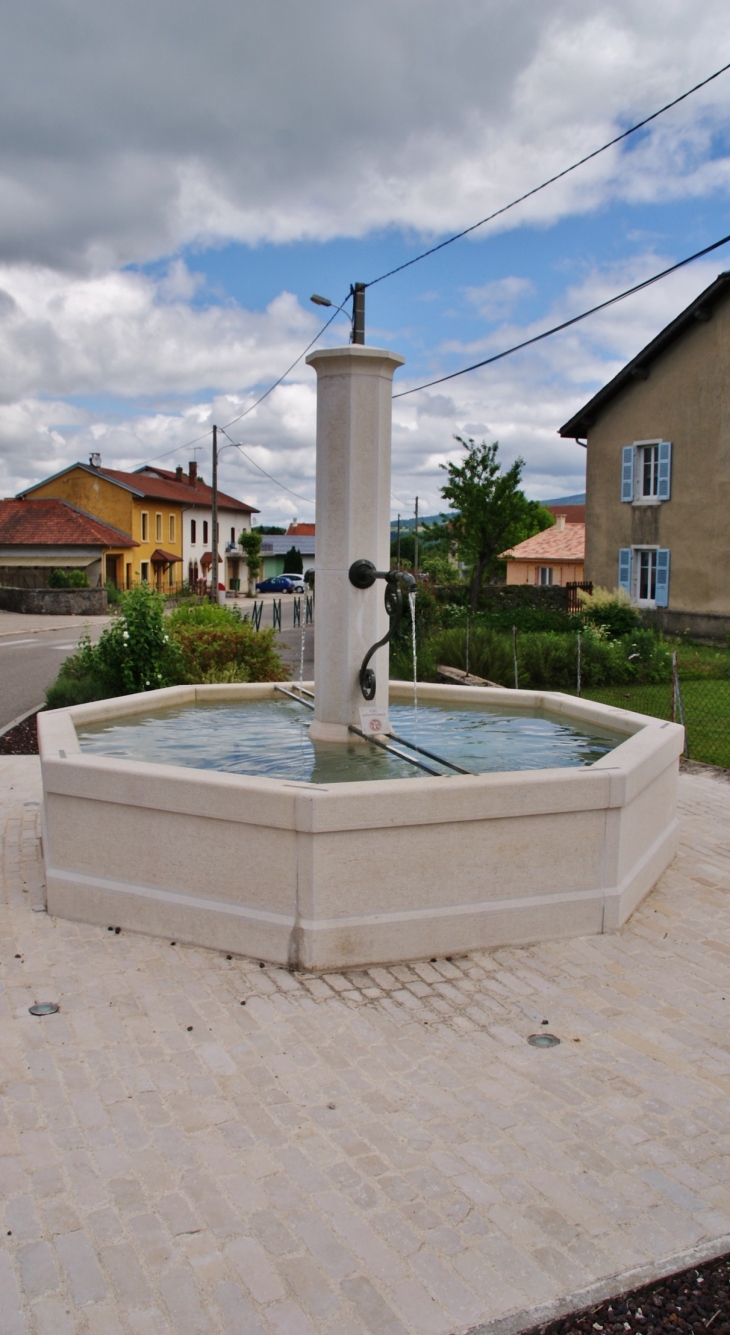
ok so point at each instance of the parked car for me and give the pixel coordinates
(281, 584)
(299, 580)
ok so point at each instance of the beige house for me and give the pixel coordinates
(658, 472)
(554, 556)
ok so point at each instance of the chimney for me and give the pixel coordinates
(95, 460)
(193, 473)
(560, 523)
(179, 475)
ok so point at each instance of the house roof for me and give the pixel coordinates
(56, 523)
(197, 493)
(278, 544)
(160, 557)
(150, 484)
(638, 368)
(301, 530)
(553, 544)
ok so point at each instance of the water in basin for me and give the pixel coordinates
(269, 738)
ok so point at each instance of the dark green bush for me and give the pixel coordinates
(68, 579)
(215, 652)
(547, 660)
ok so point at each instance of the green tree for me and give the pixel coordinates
(293, 564)
(489, 511)
(251, 544)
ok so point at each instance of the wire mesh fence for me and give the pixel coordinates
(706, 706)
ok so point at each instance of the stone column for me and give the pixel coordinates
(354, 390)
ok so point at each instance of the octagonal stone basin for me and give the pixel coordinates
(323, 877)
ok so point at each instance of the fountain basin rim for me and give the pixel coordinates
(361, 872)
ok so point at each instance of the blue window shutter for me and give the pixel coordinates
(664, 483)
(624, 569)
(627, 473)
(662, 578)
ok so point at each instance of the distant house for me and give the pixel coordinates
(573, 508)
(555, 556)
(165, 513)
(274, 547)
(658, 471)
(39, 536)
(234, 517)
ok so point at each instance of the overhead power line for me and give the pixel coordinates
(189, 444)
(286, 373)
(575, 319)
(270, 476)
(551, 180)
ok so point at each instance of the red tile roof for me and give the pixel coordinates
(147, 478)
(160, 557)
(553, 544)
(574, 514)
(301, 530)
(56, 523)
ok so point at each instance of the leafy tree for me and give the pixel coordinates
(489, 511)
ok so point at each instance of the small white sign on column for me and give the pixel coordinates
(373, 721)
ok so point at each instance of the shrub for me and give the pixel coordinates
(134, 654)
(609, 608)
(202, 612)
(206, 649)
(68, 579)
(547, 661)
(113, 594)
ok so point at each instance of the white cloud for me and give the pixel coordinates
(129, 129)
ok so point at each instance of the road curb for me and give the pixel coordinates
(612, 1287)
(20, 719)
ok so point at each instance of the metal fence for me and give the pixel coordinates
(574, 603)
(703, 705)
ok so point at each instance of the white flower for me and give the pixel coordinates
(125, 634)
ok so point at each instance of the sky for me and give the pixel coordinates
(176, 179)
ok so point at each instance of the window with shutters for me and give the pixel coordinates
(544, 574)
(646, 468)
(645, 575)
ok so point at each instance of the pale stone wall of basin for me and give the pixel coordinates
(326, 877)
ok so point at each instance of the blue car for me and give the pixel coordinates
(281, 584)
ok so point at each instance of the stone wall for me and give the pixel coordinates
(55, 602)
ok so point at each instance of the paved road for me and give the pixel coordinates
(32, 650)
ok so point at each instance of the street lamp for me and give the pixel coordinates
(357, 292)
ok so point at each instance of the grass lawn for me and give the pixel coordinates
(706, 712)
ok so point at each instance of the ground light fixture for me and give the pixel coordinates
(43, 1008)
(543, 1041)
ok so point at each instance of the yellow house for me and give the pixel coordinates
(149, 509)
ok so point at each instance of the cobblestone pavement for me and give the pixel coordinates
(377, 1151)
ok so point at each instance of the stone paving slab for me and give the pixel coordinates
(377, 1151)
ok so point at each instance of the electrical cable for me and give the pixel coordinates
(237, 445)
(575, 319)
(551, 180)
(206, 434)
(286, 373)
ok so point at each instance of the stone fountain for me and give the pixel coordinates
(327, 876)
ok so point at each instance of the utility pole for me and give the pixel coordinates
(214, 522)
(357, 291)
(397, 562)
(415, 551)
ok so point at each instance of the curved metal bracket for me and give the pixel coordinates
(363, 575)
